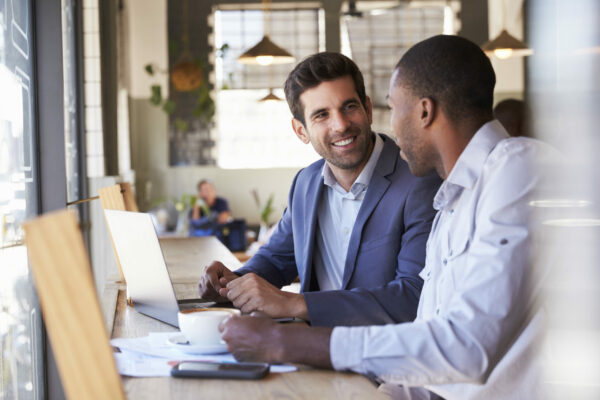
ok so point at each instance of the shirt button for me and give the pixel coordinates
(451, 211)
(437, 310)
(444, 261)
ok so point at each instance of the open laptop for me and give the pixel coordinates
(148, 282)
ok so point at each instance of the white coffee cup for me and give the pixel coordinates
(201, 326)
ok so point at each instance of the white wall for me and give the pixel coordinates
(149, 134)
(147, 44)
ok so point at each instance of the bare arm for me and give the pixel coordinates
(223, 217)
(257, 338)
(196, 212)
(214, 278)
(253, 293)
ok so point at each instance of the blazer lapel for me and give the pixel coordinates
(377, 188)
(315, 188)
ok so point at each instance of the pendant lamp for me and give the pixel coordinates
(186, 74)
(505, 45)
(271, 97)
(266, 52)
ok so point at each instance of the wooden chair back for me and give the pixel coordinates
(118, 197)
(70, 307)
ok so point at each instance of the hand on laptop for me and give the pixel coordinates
(215, 277)
(253, 293)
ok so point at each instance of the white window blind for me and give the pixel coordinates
(252, 134)
(377, 39)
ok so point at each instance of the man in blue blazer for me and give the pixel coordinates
(356, 223)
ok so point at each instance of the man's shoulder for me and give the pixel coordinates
(522, 149)
(311, 171)
(221, 204)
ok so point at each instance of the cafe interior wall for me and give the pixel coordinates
(155, 179)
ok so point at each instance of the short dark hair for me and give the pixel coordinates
(452, 71)
(202, 182)
(320, 67)
(513, 115)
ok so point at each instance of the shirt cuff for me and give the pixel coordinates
(346, 347)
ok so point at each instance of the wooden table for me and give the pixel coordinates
(186, 259)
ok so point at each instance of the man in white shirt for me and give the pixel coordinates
(477, 327)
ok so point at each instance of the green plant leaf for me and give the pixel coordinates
(156, 97)
(149, 69)
(267, 210)
(169, 106)
(221, 51)
(173, 47)
(181, 125)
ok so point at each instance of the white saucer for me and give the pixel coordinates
(179, 342)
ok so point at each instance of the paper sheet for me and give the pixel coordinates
(152, 356)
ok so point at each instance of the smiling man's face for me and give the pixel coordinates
(337, 124)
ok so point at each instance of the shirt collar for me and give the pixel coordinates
(363, 179)
(468, 167)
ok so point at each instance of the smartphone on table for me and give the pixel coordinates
(217, 370)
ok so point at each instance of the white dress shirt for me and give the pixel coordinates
(336, 216)
(476, 329)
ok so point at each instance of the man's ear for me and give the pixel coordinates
(428, 111)
(300, 131)
(369, 109)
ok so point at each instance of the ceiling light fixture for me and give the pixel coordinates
(271, 97)
(266, 52)
(506, 45)
(186, 74)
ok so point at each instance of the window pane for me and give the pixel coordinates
(258, 135)
(266, 138)
(378, 40)
(70, 95)
(20, 323)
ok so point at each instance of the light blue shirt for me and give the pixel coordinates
(337, 213)
(477, 327)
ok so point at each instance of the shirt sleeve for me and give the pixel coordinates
(490, 304)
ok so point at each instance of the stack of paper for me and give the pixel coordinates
(152, 355)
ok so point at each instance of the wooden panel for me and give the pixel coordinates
(128, 197)
(71, 310)
(112, 198)
(117, 197)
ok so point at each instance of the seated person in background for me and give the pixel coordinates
(209, 211)
(479, 323)
(356, 223)
(512, 114)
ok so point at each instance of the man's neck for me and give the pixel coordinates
(455, 143)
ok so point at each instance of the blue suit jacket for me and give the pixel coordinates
(381, 284)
